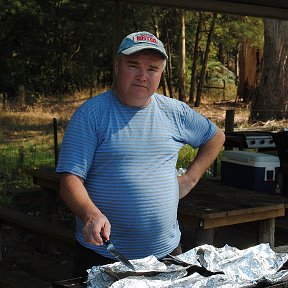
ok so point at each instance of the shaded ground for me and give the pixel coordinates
(31, 261)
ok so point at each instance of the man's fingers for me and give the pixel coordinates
(92, 234)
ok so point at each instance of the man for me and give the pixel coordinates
(118, 159)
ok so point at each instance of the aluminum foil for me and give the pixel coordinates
(238, 268)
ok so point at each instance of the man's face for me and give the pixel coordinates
(138, 76)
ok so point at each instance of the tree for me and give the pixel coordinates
(193, 81)
(249, 60)
(18, 40)
(270, 99)
(182, 54)
(205, 61)
(240, 44)
(57, 47)
(155, 21)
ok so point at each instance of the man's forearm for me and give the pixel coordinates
(203, 160)
(74, 194)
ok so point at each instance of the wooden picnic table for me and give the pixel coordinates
(210, 205)
(215, 205)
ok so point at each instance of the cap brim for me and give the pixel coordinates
(138, 48)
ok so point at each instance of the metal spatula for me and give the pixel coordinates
(111, 248)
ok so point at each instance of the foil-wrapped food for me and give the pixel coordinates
(202, 266)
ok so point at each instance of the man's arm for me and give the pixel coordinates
(204, 158)
(74, 194)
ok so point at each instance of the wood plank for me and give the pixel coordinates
(47, 178)
(55, 231)
(45, 173)
(213, 215)
(256, 209)
(237, 219)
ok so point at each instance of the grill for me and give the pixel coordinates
(250, 139)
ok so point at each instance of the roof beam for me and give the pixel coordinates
(261, 9)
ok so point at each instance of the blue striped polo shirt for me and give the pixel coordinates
(127, 157)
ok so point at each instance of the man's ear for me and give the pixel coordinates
(116, 66)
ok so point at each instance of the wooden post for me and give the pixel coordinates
(267, 231)
(229, 120)
(224, 87)
(215, 168)
(55, 131)
(229, 127)
(229, 124)
(204, 236)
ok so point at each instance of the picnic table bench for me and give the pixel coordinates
(49, 183)
(210, 205)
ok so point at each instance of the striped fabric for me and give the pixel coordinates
(127, 157)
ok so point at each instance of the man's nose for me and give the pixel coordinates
(141, 75)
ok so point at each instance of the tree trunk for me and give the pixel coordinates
(21, 96)
(270, 100)
(236, 60)
(182, 54)
(206, 57)
(195, 58)
(157, 33)
(221, 52)
(168, 69)
(249, 60)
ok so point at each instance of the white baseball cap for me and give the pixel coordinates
(138, 41)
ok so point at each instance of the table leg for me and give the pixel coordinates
(266, 232)
(48, 204)
(204, 236)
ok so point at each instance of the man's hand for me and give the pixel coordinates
(74, 194)
(94, 227)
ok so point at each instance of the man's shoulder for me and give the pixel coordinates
(97, 102)
(102, 97)
(168, 102)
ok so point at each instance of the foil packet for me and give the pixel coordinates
(202, 266)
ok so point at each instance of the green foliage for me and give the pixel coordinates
(232, 30)
(217, 73)
(186, 156)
